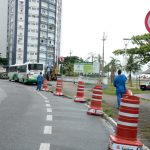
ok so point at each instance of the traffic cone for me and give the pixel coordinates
(95, 107)
(58, 88)
(127, 93)
(80, 93)
(45, 85)
(126, 131)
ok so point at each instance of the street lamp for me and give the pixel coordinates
(103, 39)
(126, 42)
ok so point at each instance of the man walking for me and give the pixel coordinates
(120, 84)
(39, 81)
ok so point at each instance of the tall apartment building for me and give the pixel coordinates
(34, 28)
(3, 28)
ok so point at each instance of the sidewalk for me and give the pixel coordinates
(69, 90)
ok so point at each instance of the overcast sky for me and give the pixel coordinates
(84, 21)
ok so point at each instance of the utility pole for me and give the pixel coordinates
(70, 53)
(126, 41)
(99, 61)
(103, 56)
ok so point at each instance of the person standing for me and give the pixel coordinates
(39, 81)
(120, 84)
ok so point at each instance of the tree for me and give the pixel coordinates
(113, 66)
(3, 61)
(68, 64)
(132, 67)
(142, 51)
(92, 56)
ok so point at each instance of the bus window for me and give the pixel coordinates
(22, 68)
(35, 66)
(13, 69)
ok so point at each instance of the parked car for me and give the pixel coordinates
(145, 86)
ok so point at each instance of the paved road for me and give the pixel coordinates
(22, 115)
(31, 120)
(145, 96)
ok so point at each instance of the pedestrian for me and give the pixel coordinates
(39, 81)
(120, 84)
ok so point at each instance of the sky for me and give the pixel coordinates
(85, 21)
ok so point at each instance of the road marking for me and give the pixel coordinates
(46, 101)
(49, 110)
(44, 146)
(48, 130)
(48, 105)
(44, 97)
(49, 118)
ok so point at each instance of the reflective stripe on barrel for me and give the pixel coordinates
(80, 90)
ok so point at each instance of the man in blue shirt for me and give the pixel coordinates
(39, 81)
(120, 84)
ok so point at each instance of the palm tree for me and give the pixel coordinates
(132, 67)
(92, 56)
(107, 70)
(113, 66)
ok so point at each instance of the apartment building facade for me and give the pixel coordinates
(34, 29)
(3, 28)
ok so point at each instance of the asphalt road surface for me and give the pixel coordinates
(33, 120)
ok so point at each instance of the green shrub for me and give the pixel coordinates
(4, 75)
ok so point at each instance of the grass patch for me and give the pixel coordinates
(88, 101)
(145, 131)
(111, 90)
(108, 109)
(138, 91)
(143, 99)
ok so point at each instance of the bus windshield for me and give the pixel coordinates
(35, 66)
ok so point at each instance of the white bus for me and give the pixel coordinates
(13, 73)
(28, 72)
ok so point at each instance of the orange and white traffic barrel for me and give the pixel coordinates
(58, 91)
(45, 85)
(127, 93)
(95, 107)
(126, 131)
(80, 93)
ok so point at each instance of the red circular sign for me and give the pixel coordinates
(147, 21)
(61, 59)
